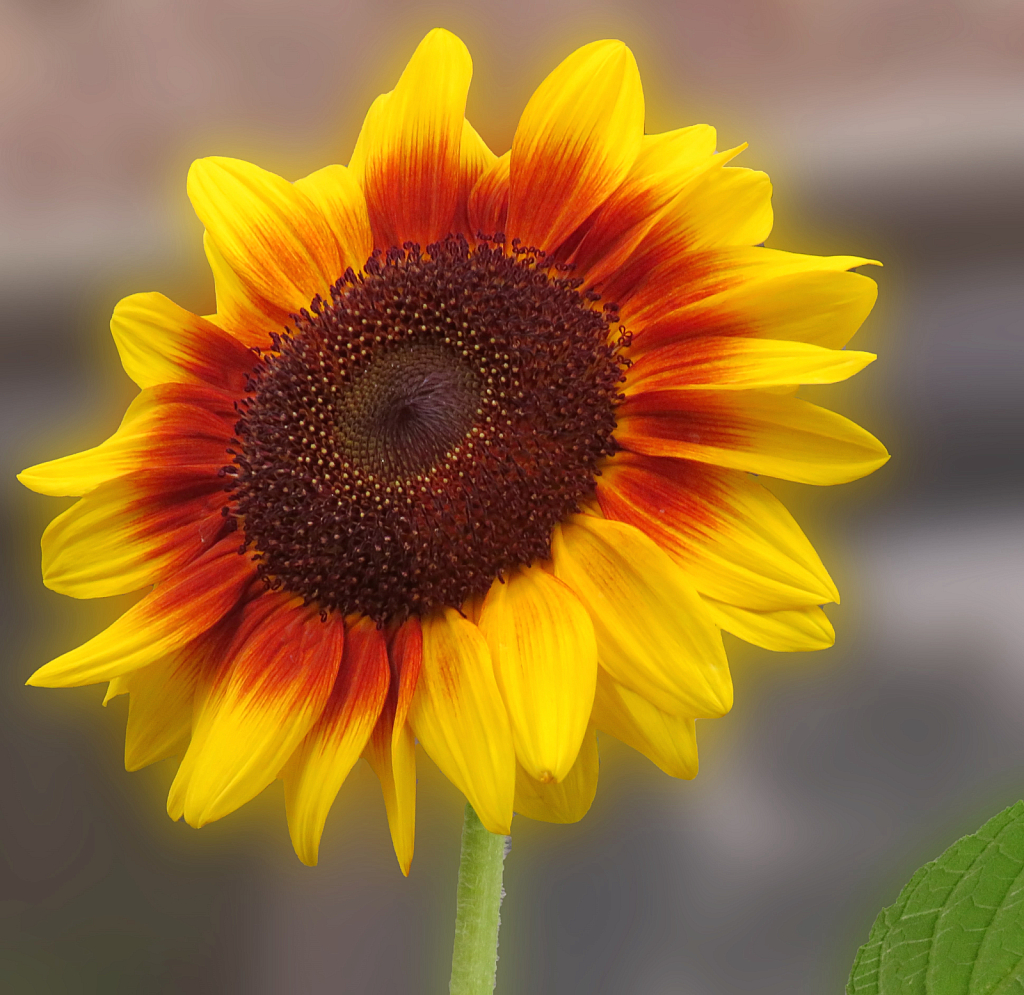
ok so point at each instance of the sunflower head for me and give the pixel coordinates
(467, 456)
(421, 434)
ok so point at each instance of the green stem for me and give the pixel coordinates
(475, 958)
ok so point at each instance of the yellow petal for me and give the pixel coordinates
(395, 766)
(475, 159)
(269, 691)
(667, 163)
(487, 209)
(577, 139)
(131, 532)
(391, 749)
(794, 630)
(473, 606)
(563, 801)
(161, 706)
(318, 768)
(822, 306)
(409, 151)
(670, 741)
(115, 688)
(459, 718)
(241, 313)
(756, 431)
(270, 233)
(335, 192)
(545, 659)
(744, 291)
(179, 610)
(79, 473)
(653, 633)
(728, 363)
(367, 136)
(734, 539)
(727, 205)
(160, 342)
(169, 425)
(719, 207)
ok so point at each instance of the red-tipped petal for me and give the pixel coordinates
(133, 531)
(778, 436)
(487, 210)
(319, 766)
(391, 749)
(409, 152)
(169, 425)
(160, 342)
(665, 165)
(271, 235)
(176, 612)
(576, 141)
(734, 539)
(268, 691)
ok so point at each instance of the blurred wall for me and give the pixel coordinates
(893, 129)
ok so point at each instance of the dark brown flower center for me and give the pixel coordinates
(423, 432)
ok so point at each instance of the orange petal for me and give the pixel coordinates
(778, 436)
(269, 690)
(407, 657)
(726, 205)
(367, 136)
(340, 199)
(133, 531)
(409, 152)
(169, 425)
(391, 749)
(272, 236)
(722, 206)
(577, 139)
(487, 210)
(733, 363)
(733, 538)
(162, 698)
(179, 610)
(318, 768)
(244, 315)
(665, 165)
(160, 342)
(475, 160)
(459, 717)
(752, 292)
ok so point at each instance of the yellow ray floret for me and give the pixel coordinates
(653, 633)
(458, 715)
(545, 660)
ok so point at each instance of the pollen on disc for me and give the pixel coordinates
(422, 432)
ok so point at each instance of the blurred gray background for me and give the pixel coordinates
(893, 129)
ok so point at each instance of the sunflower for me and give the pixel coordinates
(466, 456)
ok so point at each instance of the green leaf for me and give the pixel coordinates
(958, 926)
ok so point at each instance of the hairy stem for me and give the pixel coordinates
(475, 958)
